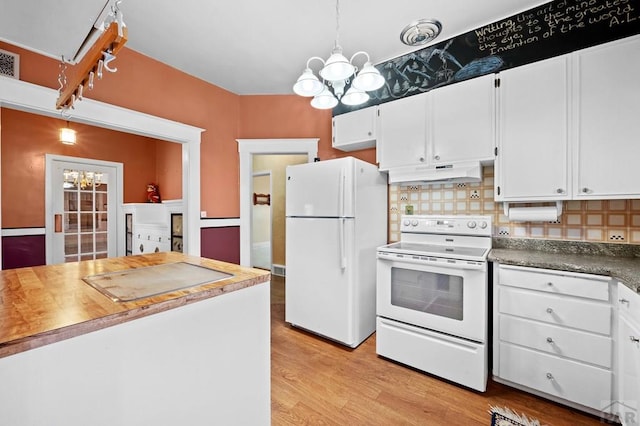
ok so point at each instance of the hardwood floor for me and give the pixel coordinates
(315, 381)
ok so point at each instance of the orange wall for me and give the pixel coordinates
(291, 116)
(26, 138)
(146, 85)
(169, 170)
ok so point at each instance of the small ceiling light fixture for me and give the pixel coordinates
(67, 135)
(420, 32)
(336, 73)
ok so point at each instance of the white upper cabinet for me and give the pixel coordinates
(533, 139)
(402, 132)
(355, 130)
(607, 121)
(462, 121)
(568, 126)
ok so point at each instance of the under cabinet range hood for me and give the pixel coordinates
(454, 172)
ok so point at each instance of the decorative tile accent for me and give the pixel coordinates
(617, 235)
(616, 221)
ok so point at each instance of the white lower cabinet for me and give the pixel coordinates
(628, 356)
(553, 339)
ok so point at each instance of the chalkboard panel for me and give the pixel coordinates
(553, 29)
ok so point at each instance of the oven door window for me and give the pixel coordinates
(429, 292)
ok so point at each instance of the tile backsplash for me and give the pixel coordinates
(612, 221)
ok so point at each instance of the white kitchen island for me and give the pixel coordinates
(71, 356)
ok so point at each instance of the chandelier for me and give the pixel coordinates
(82, 179)
(336, 73)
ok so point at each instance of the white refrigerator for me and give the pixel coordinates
(336, 218)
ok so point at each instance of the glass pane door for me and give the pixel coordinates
(85, 219)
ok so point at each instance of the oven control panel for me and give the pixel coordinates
(455, 224)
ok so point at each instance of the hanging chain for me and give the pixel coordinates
(337, 23)
(62, 81)
(62, 75)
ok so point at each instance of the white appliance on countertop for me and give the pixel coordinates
(432, 297)
(336, 218)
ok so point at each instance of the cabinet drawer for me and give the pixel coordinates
(581, 285)
(629, 303)
(565, 342)
(570, 380)
(559, 310)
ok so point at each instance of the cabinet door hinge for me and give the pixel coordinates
(495, 151)
(496, 82)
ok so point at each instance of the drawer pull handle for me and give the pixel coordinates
(549, 376)
(550, 340)
(549, 310)
(623, 301)
(634, 339)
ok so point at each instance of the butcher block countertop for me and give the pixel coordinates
(45, 304)
(620, 261)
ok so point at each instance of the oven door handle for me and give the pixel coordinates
(433, 261)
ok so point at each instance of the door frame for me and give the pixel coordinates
(28, 97)
(246, 149)
(50, 160)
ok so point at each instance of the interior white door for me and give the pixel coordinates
(84, 207)
(320, 276)
(321, 189)
(261, 217)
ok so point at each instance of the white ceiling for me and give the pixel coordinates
(246, 46)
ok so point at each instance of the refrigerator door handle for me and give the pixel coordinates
(343, 257)
(342, 191)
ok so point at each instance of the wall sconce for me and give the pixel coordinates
(67, 135)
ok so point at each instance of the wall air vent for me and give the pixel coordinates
(9, 64)
(279, 270)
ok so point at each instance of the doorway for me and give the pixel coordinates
(83, 198)
(248, 148)
(22, 96)
(276, 166)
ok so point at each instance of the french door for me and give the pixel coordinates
(83, 209)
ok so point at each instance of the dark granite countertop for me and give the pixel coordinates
(620, 261)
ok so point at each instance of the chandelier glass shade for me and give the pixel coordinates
(338, 73)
